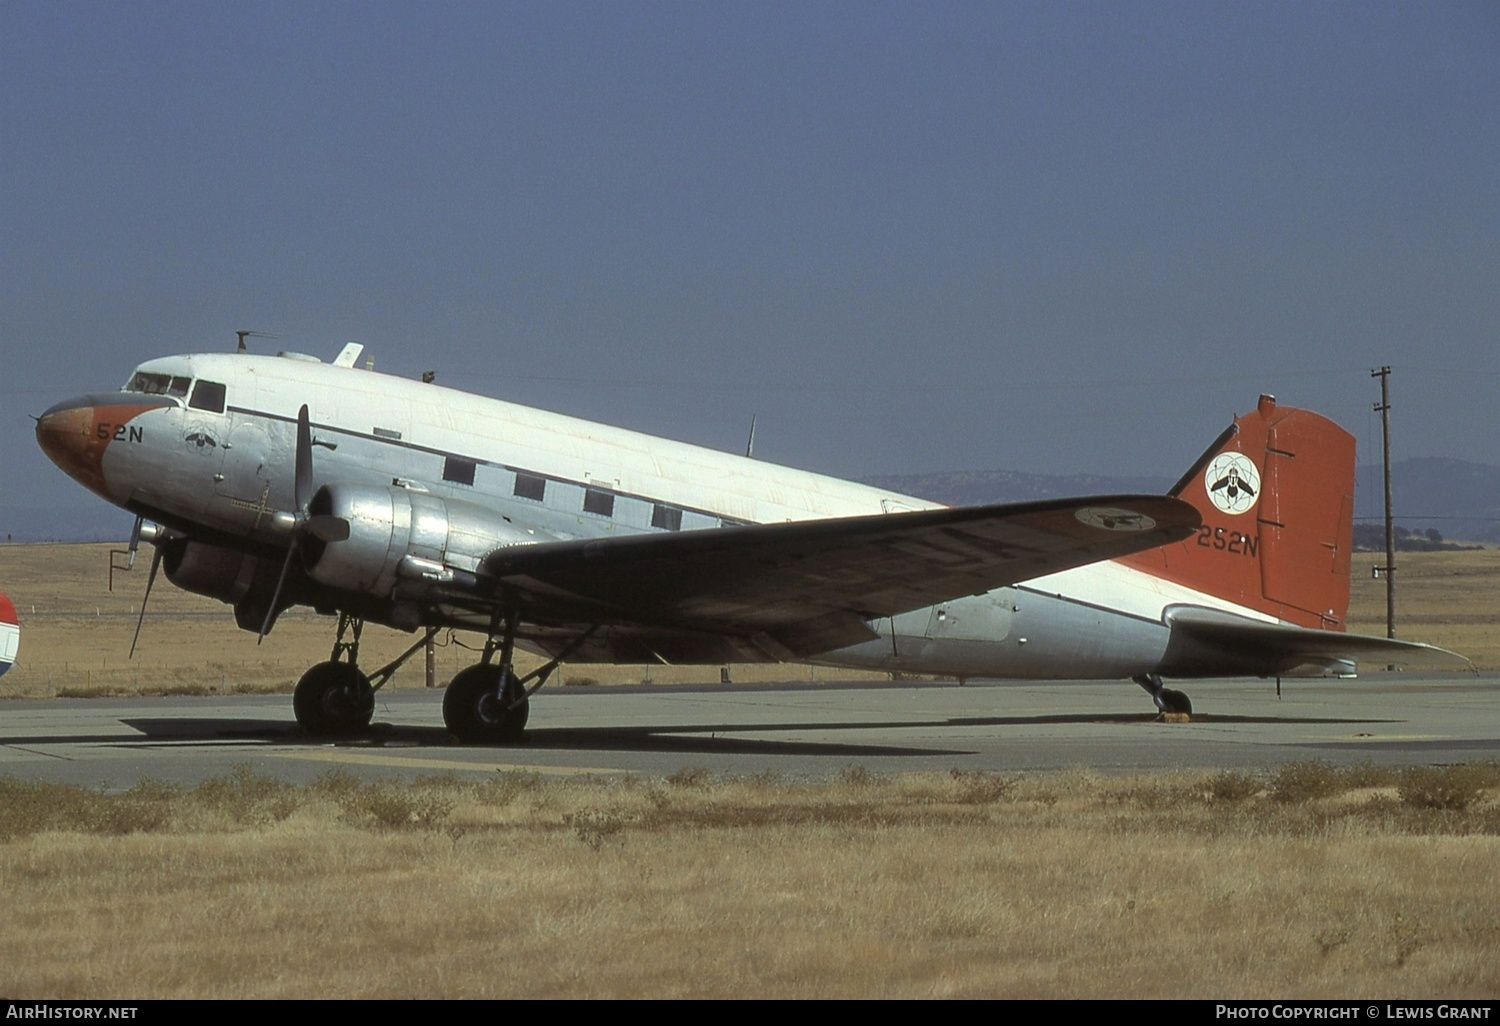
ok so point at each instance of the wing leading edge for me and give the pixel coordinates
(796, 589)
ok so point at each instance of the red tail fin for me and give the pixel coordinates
(1276, 492)
(10, 633)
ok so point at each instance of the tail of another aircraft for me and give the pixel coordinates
(10, 633)
(1276, 492)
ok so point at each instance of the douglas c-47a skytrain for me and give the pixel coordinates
(273, 481)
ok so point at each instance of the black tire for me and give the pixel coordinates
(474, 713)
(1176, 702)
(333, 699)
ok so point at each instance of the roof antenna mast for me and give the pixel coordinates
(242, 335)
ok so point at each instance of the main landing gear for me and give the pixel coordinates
(484, 704)
(335, 698)
(488, 703)
(1167, 700)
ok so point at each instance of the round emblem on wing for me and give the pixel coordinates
(1112, 518)
(1232, 482)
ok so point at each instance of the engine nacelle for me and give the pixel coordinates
(398, 535)
(205, 569)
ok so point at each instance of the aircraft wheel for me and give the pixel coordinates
(473, 711)
(1175, 702)
(333, 698)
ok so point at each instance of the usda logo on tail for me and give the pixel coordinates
(1232, 482)
(10, 633)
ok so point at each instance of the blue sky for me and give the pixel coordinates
(1070, 237)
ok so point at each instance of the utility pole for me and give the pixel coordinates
(1384, 409)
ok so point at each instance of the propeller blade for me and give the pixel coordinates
(303, 482)
(328, 528)
(150, 580)
(286, 567)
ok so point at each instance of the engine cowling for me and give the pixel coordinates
(404, 538)
(211, 570)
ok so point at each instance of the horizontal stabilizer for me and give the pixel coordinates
(1207, 643)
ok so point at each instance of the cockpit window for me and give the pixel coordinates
(208, 395)
(159, 384)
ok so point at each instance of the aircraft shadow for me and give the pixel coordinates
(722, 738)
(689, 738)
(181, 732)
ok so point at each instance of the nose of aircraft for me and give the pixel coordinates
(76, 432)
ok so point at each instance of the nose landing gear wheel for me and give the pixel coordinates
(475, 712)
(333, 699)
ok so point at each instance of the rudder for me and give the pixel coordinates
(1276, 492)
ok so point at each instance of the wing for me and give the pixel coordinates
(1205, 642)
(795, 589)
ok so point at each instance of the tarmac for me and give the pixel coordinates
(796, 729)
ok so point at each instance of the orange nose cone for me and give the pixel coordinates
(69, 435)
(75, 434)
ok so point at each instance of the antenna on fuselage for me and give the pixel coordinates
(750, 445)
(242, 335)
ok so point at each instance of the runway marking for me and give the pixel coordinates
(370, 759)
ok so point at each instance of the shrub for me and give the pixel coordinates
(1304, 781)
(1232, 786)
(691, 776)
(1450, 788)
(979, 788)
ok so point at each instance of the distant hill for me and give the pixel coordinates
(1459, 499)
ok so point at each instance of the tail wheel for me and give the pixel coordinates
(1175, 702)
(475, 712)
(1167, 700)
(332, 699)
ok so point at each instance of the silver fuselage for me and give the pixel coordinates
(185, 461)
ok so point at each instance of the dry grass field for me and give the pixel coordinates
(1305, 882)
(1451, 599)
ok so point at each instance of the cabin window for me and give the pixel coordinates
(459, 471)
(529, 486)
(666, 517)
(208, 395)
(602, 503)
